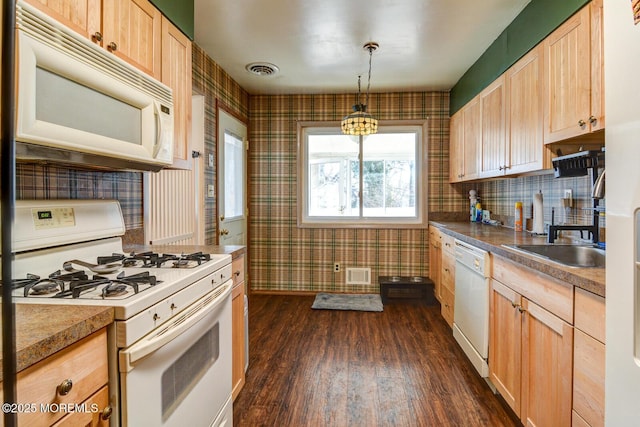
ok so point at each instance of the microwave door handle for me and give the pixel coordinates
(159, 130)
(177, 326)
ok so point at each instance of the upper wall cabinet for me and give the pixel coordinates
(176, 73)
(573, 94)
(493, 146)
(465, 137)
(525, 151)
(130, 29)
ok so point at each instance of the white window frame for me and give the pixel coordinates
(418, 221)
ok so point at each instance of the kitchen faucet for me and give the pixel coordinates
(597, 194)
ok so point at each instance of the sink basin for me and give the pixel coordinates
(570, 255)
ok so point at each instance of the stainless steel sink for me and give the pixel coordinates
(571, 255)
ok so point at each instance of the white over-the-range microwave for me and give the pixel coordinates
(81, 105)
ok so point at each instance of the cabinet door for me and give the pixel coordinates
(493, 129)
(82, 16)
(456, 147)
(547, 355)
(588, 379)
(132, 32)
(237, 334)
(435, 261)
(472, 139)
(526, 149)
(567, 77)
(505, 343)
(176, 73)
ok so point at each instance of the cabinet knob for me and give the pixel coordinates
(224, 232)
(97, 36)
(521, 310)
(581, 123)
(106, 413)
(173, 306)
(113, 46)
(237, 273)
(65, 387)
(155, 316)
(592, 119)
(500, 168)
(514, 304)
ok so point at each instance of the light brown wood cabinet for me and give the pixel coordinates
(465, 138)
(589, 360)
(573, 93)
(435, 260)
(493, 144)
(531, 343)
(237, 325)
(176, 73)
(75, 375)
(525, 151)
(447, 277)
(130, 29)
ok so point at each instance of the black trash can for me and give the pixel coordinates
(407, 289)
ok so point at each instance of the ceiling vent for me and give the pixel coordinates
(262, 68)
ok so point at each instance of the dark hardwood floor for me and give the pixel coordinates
(400, 367)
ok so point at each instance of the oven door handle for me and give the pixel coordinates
(174, 327)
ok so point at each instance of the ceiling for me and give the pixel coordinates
(318, 44)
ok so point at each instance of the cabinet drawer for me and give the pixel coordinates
(97, 415)
(448, 271)
(237, 266)
(588, 378)
(448, 243)
(554, 295)
(446, 309)
(590, 314)
(84, 363)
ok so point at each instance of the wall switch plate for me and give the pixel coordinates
(210, 191)
(210, 160)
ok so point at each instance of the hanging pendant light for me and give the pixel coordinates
(360, 122)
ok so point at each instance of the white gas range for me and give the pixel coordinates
(170, 344)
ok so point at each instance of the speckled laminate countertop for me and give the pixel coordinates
(491, 239)
(42, 330)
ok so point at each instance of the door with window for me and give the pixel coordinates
(232, 165)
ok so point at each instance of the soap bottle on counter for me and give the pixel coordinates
(518, 217)
(478, 212)
(473, 200)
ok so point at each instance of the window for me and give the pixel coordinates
(354, 181)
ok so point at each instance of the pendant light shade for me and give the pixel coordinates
(359, 122)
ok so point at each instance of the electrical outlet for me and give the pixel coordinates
(336, 267)
(568, 195)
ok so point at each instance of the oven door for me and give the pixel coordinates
(180, 374)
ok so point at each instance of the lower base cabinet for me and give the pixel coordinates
(237, 327)
(530, 347)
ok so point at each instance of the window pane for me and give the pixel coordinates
(233, 176)
(389, 175)
(331, 160)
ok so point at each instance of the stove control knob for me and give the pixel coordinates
(65, 387)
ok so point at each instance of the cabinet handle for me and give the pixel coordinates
(65, 387)
(514, 304)
(592, 119)
(155, 316)
(500, 168)
(113, 46)
(106, 413)
(581, 123)
(521, 310)
(97, 36)
(173, 306)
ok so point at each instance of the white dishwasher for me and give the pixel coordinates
(471, 308)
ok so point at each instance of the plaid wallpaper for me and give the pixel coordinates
(286, 258)
(215, 84)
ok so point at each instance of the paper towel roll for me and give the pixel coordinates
(538, 214)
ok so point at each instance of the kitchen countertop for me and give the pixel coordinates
(491, 238)
(42, 330)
